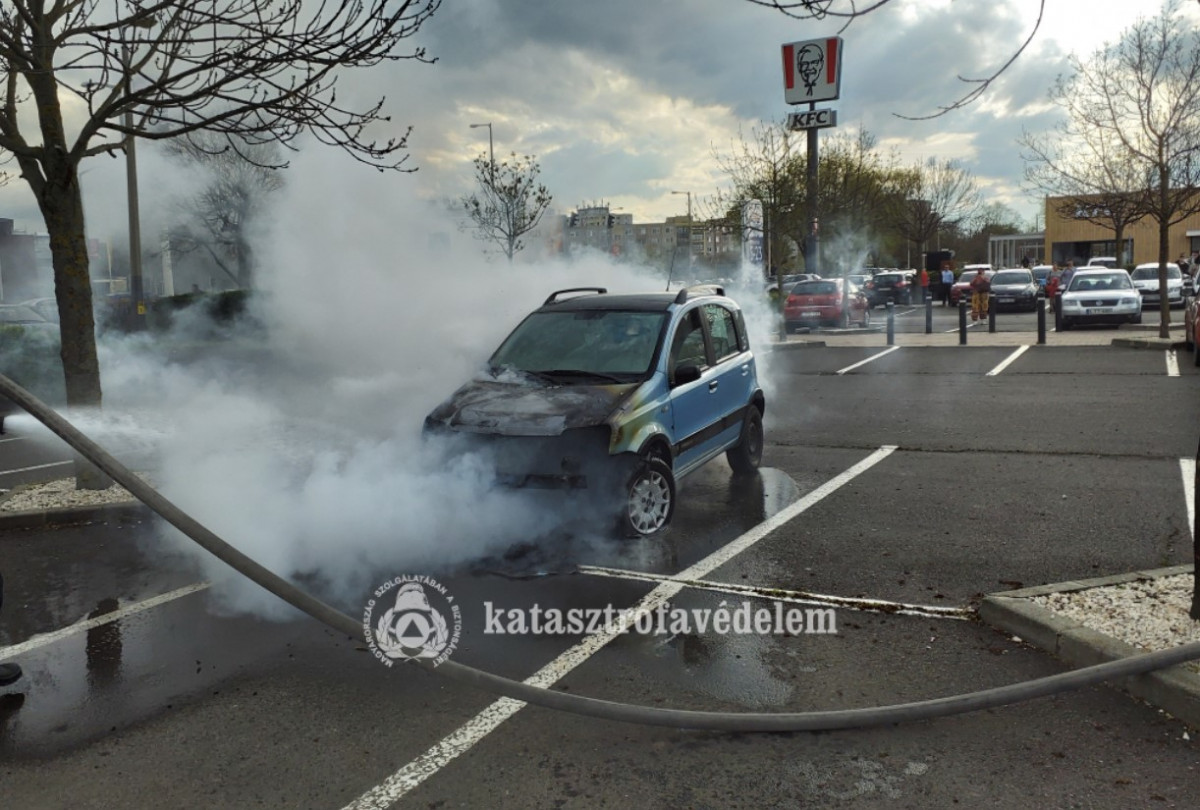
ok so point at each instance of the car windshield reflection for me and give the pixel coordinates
(585, 346)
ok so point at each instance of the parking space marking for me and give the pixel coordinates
(13, 439)
(396, 786)
(1172, 364)
(1187, 468)
(1008, 361)
(46, 639)
(37, 467)
(868, 360)
(790, 596)
(955, 329)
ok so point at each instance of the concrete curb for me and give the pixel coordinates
(1149, 343)
(40, 518)
(1175, 690)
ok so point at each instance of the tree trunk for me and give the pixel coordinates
(61, 203)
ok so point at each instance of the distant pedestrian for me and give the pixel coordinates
(9, 673)
(947, 283)
(923, 280)
(1067, 274)
(981, 287)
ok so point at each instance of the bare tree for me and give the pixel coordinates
(510, 201)
(236, 185)
(931, 196)
(1089, 170)
(79, 77)
(763, 167)
(1143, 93)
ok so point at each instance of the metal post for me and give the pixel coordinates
(1058, 327)
(891, 324)
(812, 256)
(962, 322)
(1041, 317)
(991, 305)
(929, 316)
(135, 227)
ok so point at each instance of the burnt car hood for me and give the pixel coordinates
(528, 409)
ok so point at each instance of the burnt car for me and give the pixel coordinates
(616, 395)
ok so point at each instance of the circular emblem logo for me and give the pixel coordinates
(412, 617)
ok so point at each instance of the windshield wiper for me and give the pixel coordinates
(554, 373)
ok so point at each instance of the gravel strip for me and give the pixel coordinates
(1148, 614)
(59, 494)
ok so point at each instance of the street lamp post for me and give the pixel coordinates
(689, 229)
(136, 293)
(491, 152)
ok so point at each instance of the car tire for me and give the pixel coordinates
(746, 456)
(648, 500)
(1137, 318)
(1066, 324)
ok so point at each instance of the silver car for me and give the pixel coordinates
(1100, 295)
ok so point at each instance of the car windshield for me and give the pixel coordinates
(888, 278)
(1144, 273)
(1012, 277)
(583, 345)
(1090, 282)
(815, 288)
(967, 276)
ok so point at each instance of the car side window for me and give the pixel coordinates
(687, 346)
(722, 330)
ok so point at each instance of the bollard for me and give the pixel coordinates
(891, 324)
(1058, 312)
(991, 305)
(1041, 317)
(962, 322)
(928, 315)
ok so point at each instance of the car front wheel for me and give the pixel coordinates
(745, 457)
(649, 499)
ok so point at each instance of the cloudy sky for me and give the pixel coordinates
(625, 101)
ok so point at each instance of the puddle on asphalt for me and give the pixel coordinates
(714, 509)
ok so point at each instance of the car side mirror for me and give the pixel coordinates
(687, 374)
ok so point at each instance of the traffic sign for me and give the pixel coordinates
(812, 70)
(813, 119)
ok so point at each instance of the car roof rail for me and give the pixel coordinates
(554, 295)
(699, 289)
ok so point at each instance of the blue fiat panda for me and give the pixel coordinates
(617, 394)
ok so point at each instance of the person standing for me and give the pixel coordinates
(923, 280)
(981, 287)
(9, 673)
(947, 283)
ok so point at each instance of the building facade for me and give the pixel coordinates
(1072, 238)
(679, 238)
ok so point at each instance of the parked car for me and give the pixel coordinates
(1100, 295)
(1103, 261)
(1014, 289)
(1041, 274)
(890, 285)
(1191, 323)
(619, 396)
(829, 301)
(1145, 279)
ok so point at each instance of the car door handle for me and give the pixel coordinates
(745, 369)
(712, 386)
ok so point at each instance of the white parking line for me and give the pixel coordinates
(1172, 364)
(459, 742)
(955, 329)
(790, 596)
(1008, 361)
(13, 439)
(38, 467)
(44, 639)
(1187, 468)
(868, 360)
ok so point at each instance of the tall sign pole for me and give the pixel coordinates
(812, 72)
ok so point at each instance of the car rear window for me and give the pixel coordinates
(815, 288)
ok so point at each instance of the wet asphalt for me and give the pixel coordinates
(1066, 465)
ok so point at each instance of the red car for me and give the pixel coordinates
(813, 303)
(962, 287)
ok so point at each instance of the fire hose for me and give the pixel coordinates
(579, 704)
